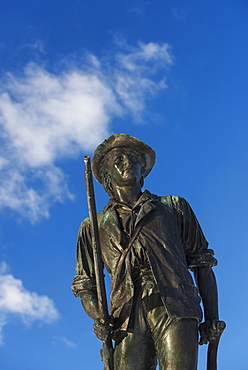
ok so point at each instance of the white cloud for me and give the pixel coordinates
(18, 301)
(46, 117)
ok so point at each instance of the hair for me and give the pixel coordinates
(106, 177)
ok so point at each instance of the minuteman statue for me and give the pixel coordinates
(148, 245)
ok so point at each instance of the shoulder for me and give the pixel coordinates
(173, 200)
(177, 203)
(85, 224)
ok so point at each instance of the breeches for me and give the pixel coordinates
(151, 336)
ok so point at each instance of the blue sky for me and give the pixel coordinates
(173, 74)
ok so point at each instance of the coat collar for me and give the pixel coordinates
(143, 199)
(145, 204)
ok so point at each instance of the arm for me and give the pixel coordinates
(206, 282)
(200, 260)
(84, 284)
(89, 303)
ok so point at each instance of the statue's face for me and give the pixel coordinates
(124, 167)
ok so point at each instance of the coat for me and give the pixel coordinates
(168, 231)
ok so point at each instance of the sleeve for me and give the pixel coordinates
(85, 276)
(194, 242)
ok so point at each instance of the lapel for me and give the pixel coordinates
(146, 208)
(110, 225)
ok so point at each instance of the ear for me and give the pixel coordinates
(142, 182)
(108, 184)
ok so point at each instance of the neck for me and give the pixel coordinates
(128, 195)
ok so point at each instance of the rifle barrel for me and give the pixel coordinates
(98, 264)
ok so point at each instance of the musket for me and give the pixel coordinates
(213, 347)
(107, 348)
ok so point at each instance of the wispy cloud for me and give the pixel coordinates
(136, 75)
(3, 322)
(16, 300)
(64, 341)
(36, 45)
(47, 117)
(179, 14)
(138, 58)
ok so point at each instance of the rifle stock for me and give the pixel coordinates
(213, 347)
(107, 348)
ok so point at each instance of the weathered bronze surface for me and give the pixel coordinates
(148, 245)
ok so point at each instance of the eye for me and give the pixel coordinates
(119, 158)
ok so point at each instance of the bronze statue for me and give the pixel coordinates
(148, 245)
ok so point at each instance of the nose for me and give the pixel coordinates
(128, 160)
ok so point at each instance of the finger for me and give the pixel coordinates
(214, 325)
(203, 341)
(213, 336)
(203, 338)
(213, 332)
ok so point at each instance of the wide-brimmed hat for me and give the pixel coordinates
(122, 141)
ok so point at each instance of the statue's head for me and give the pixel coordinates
(117, 148)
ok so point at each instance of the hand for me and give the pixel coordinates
(210, 330)
(101, 330)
